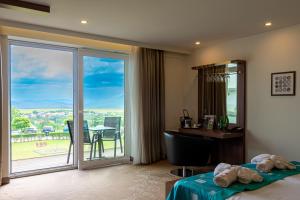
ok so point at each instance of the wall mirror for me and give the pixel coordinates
(221, 91)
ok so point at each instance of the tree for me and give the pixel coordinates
(20, 123)
(15, 113)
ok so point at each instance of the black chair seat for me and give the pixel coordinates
(187, 150)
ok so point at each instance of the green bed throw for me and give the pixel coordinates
(202, 187)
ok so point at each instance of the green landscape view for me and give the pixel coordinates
(44, 132)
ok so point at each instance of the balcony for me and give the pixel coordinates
(34, 151)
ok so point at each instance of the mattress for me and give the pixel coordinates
(286, 189)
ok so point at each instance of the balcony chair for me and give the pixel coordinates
(112, 135)
(86, 137)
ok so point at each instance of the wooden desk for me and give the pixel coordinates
(228, 147)
(210, 133)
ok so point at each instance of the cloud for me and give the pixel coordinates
(44, 77)
(93, 65)
(29, 62)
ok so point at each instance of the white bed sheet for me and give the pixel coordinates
(286, 189)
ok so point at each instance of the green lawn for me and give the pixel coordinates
(36, 149)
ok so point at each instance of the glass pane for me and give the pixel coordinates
(232, 98)
(41, 103)
(103, 99)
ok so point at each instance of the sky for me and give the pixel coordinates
(43, 78)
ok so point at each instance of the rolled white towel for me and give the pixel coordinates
(236, 168)
(265, 166)
(281, 163)
(256, 177)
(221, 167)
(246, 176)
(260, 158)
(226, 178)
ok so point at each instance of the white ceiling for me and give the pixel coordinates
(174, 24)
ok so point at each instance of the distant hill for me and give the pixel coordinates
(66, 104)
(42, 104)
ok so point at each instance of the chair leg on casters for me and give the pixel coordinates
(183, 171)
(70, 146)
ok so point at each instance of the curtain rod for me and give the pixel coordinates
(219, 64)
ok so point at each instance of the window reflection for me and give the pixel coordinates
(232, 95)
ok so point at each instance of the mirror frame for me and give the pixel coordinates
(241, 90)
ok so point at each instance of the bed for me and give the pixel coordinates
(288, 189)
(279, 184)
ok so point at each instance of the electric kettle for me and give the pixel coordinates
(185, 120)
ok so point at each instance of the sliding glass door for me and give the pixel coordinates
(41, 98)
(67, 108)
(102, 95)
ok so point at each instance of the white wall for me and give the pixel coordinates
(175, 66)
(273, 123)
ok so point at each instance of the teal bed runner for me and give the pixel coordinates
(203, 187)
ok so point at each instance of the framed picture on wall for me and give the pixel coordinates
(283, 83)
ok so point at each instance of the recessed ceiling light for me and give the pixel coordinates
(197, 43)
(268, 24)
(83, 21)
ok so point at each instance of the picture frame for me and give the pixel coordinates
(283, 83)
(209, 121)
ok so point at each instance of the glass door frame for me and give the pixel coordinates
(88, 164)
(78, 54)
(75, 107)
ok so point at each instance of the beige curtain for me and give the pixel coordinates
(134, 122)
(1, 64)
(4, 179)
(212, 91)
(152, 96)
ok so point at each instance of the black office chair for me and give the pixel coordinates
(186, 150)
